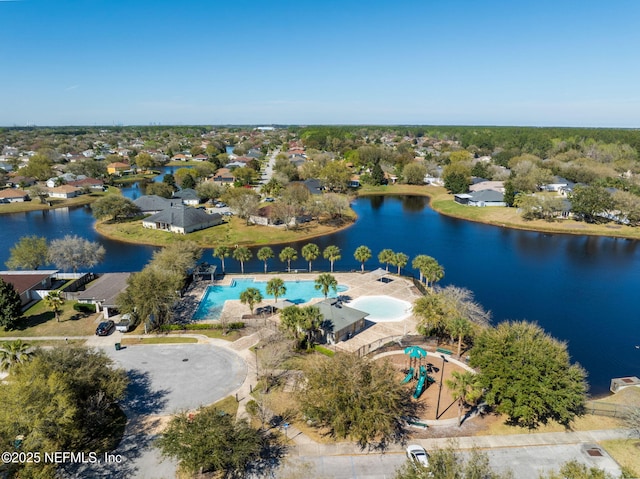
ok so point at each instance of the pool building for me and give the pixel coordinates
(340, 322)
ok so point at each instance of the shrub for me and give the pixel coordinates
(85, 308)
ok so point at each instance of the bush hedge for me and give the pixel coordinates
(200, 326)
(85, 307)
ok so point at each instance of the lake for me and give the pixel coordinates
(578, 288)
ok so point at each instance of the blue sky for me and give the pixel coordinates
(104, 62)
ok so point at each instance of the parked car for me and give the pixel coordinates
(124, 324)
(418, 455)
(105, 328)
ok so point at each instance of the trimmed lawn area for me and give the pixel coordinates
(588, 422)
(35, 205)
(36, 343)
(156, 340)
(40, 321)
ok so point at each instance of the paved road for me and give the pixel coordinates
(525, 462)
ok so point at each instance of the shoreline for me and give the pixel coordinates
(581, 229)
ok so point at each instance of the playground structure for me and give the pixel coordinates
(416, 354)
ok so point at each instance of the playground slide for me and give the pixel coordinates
(408, 377)
(420, 386)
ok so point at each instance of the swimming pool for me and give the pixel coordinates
(213, 300)
(382, 308)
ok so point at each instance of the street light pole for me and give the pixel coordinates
(444, 360)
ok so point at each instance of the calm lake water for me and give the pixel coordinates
(580, 289)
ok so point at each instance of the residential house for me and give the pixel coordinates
(65, 191)
(118, 168)
(488, 185)
(200, 157)
(481, 198)
(188, 196)
(91, 183)
(182, 219)
(13, 196)
(354, 182)
(340, 322)
(314, 185)
(152, 204)
(560, 185)
(223, 175)
(103, 292)
(28, 283)
(65, 178)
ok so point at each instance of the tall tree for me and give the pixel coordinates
(386, 257)
(54, 300)
(64, 399)
(265, 254)
(326, 282)
(242, 254)
(591, 203)
(432, 271)
(211, 441)
(251, 297)
(362, 254)
(527, 374)
(151, 293)
(276, 288)
(332, 253)
(400, 260)
(310, 322)
(30, 252)
(74, 252)
(287, 255)
(114, 207)
(310, 252)
(10, 306)
(458, 328)
(465, 388)
(356, 398)
(420, 262)
(222, 252)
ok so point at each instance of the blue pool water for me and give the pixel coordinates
(213, 300)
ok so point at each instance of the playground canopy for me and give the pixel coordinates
(415, 352)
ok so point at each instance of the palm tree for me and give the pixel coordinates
(264, 254)
(288, 254)
(458, 328)
(400, 260)
(276, 287)
(420, 263)
(362, 254)
(310, 252)
(15, 352)
(290, 322)
(242, 254)
(386, 256)
(251, 296)
(325, 282)
(332, 253)
(433, 272)
(310, 320)
(465, 388)
(222, 252)
(54, 301)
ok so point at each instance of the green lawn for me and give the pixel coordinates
(39, 321)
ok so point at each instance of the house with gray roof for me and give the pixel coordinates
(103, 292)
(182, 219)
(480, 198)
(340, 322)
(151, 204)
(188, 196)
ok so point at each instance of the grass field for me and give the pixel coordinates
(39, 321)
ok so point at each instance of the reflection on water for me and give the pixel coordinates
(580, 289)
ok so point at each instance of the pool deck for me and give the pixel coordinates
(358, 284)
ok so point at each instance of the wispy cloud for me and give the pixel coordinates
(69, 88)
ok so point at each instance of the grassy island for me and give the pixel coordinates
(234, 232)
